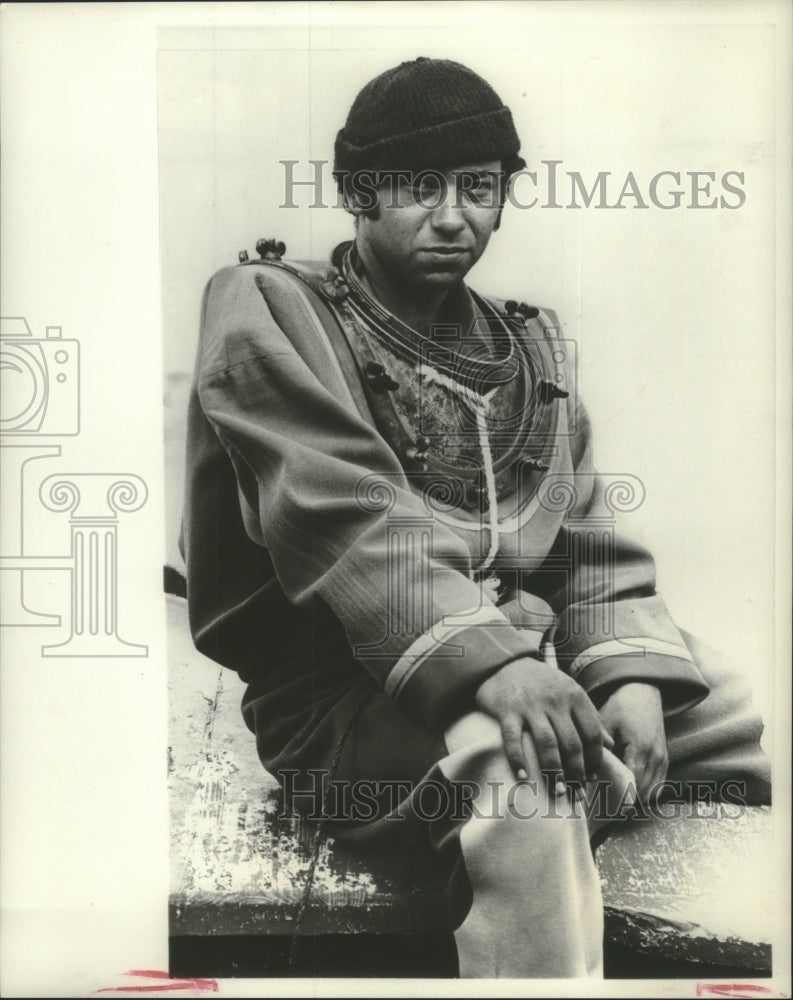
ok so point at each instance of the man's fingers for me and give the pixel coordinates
(649, 764)
(512, 737)
(571, 750)
(593, 736)
(639, 762)
(546, 745)
(660, 769)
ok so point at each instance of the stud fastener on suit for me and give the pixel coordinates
(549, 391)
(524, 311)
(476, 494)
(419, 452)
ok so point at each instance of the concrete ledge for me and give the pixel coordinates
(691, 888)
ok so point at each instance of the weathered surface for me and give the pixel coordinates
(236, 867)
(691, 888)
(694, 887)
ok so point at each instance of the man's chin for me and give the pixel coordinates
(443, 276)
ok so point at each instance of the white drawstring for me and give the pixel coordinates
(490, 481)
(432, 375)
(480, 404)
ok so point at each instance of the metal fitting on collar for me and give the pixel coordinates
(334, 286)
(270, 249)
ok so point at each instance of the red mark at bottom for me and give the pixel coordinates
(742, 990)
(161, 982)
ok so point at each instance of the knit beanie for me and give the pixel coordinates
(426, 113)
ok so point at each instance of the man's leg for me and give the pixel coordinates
(523, 890)
(719, 740)
(536, 909)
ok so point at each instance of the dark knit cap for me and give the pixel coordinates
(426, 113)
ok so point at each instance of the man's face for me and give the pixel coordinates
(430, 228)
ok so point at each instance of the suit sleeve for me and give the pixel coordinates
(321, 490)
(613, 625)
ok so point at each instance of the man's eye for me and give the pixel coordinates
(426, 187)
(477, 185)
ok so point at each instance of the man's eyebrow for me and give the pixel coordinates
(486, 172)
(479, 175)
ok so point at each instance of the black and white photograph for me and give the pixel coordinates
(396, 515)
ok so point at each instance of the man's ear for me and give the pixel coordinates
(504, 182)
(352, 203)
(359, 194)
(361, 204)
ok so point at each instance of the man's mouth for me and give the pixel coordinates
(450, 253)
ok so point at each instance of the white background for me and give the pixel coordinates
(681, 319)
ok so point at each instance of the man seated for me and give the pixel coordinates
(395, 533)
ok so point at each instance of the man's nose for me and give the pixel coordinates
(448, 217)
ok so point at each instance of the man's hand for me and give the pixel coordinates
(531, 696)
(634, 717)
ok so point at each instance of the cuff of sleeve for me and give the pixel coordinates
(680, 682)
(434, 684)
